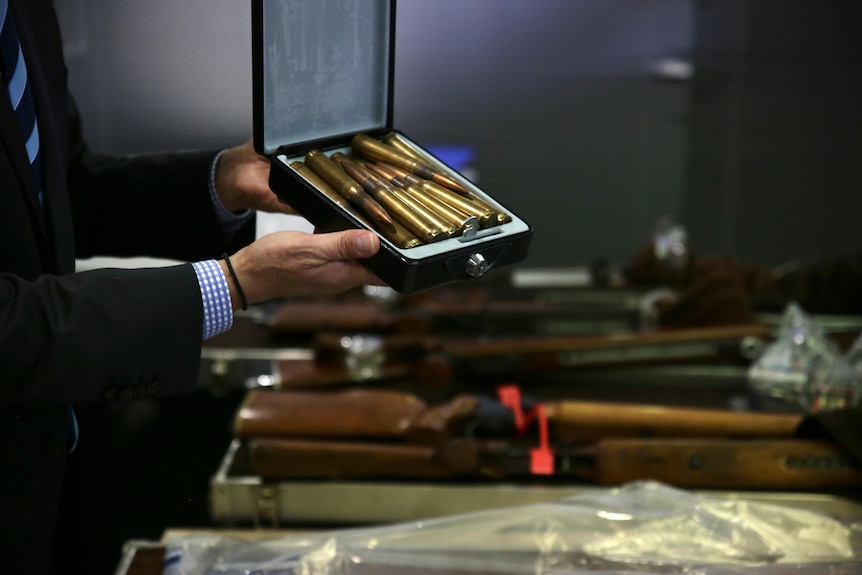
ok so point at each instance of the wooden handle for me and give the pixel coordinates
(290, 458)
(352, 413)
(726, 464)
(592, 421)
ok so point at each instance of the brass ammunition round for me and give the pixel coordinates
(372, 149)
(356, 171)
(320, 184)
(369, 148)
(396, 142)
(469, 204)
(414, 221)
(329, 171)
(381, 170)
(499, 218)
(450, 213)
(393, 140)
(407, 216)
(435, 219)
(399, 235)
(455, 200)
(395, 233)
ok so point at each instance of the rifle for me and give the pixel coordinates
(394, 415)
(436, 361)
(451, 312)
(368, 433)
(691, 463)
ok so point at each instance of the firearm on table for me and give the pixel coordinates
(436, 361)
(692, 463)
(397, 415)
(386, 434)
(467, 312)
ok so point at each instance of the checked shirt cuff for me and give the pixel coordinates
(218, 312)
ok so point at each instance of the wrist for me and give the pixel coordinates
(221, 185)
(237, 295)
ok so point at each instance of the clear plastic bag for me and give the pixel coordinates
(803, 370)
(643, 527)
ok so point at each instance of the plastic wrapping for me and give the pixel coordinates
(803, 369)
(643, 527)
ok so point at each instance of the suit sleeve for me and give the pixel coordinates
(102, 334)
(156, 205)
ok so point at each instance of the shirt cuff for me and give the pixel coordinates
(215, 294)
(230, 221)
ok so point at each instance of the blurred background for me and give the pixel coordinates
(588, 118)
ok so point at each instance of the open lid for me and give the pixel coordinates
(321, 69)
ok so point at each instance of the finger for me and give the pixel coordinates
(348, 245)
(365, 245)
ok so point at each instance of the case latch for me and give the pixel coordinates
(476, 265)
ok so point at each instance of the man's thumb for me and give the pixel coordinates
(357, 244)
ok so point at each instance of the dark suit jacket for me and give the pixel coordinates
(99, 335)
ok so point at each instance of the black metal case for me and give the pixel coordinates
(322, 74)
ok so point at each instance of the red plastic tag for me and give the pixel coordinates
(542, 458)
(510, 396)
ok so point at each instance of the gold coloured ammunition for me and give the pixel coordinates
(396, 142)
(412, 220)
(396, 233)
(372, 149)
(449, 228)
(393, 140)
(329, 171)
(486, 217)
(450, 213)
(321, 185)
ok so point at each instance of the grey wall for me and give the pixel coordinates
(557, 98)
(759, 154)
(776, 146)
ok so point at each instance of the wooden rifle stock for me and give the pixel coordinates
(356, 413)
(694, 463)
(294, 458)
(727, 464)
(389, 414)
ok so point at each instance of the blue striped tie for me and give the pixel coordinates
(12, 68)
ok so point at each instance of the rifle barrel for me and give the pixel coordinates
(590, 421)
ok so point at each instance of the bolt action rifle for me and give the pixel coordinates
(346, 359)
(365, 433)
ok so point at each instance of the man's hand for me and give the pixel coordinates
(291, 264)
(242, 182)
